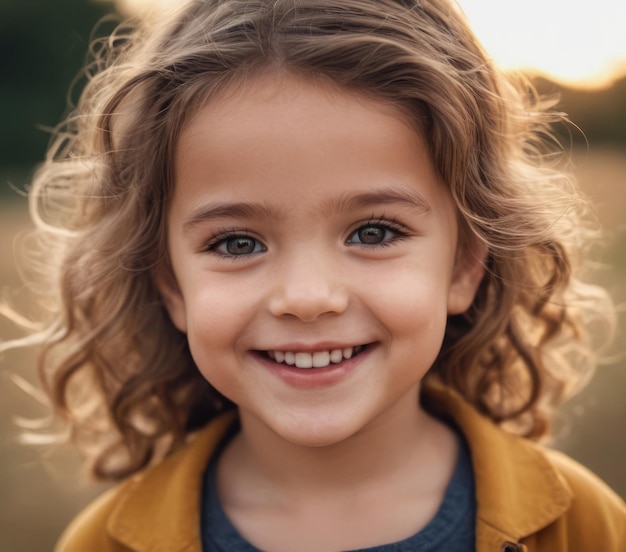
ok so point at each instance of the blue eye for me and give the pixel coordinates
(375, 234)
(236, 246)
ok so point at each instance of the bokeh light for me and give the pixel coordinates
(577, 42)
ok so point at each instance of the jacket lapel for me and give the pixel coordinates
(159, 511)
(518, 491)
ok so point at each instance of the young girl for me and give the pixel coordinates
(310, 288)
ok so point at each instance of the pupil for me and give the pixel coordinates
(371, 234)
(240, 246)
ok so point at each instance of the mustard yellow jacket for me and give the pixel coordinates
(529, 499)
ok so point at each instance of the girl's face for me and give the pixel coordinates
(314, 255)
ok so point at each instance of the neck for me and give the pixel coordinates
(404, 441)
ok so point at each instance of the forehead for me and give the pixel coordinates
(277, 133)
(272, 97)
(285, 105)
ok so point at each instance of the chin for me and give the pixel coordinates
(316, 433)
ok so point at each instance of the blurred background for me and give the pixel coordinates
(566, 47)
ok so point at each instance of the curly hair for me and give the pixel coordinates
(114, 367)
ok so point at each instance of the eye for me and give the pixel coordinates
(369, 235)
(379, 233)
(236, 246)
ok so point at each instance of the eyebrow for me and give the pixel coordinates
(386, 196)
(230, 210)
(347, 202)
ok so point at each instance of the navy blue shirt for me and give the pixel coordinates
(451, 530)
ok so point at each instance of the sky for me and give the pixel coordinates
(575, 41)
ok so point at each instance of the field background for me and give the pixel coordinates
(41, 489)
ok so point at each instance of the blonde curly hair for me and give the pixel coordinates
(114, 367)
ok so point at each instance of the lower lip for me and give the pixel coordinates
(313, 378)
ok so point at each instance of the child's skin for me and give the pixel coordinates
(278, 184)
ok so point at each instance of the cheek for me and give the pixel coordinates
(214, 302)
(212, 336)
(218, 313)
(413, 301)
(213, 322)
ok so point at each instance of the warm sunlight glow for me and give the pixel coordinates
(578, 42)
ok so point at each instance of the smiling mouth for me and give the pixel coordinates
(318, 359)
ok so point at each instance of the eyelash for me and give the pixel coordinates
(388, 225)
(223, 235)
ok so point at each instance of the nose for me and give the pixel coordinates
(307, 287)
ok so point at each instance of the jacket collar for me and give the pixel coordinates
(159, 510)
(518, 491)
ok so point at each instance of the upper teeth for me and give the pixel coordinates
(320, 359)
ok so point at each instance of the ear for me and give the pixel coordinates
(469, 269)
(172, 296)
